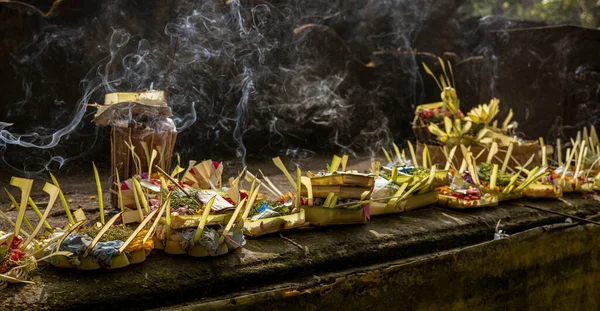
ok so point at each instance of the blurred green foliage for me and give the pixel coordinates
(584, 13)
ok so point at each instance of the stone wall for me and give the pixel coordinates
(254, 77)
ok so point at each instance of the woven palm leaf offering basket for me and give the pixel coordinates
(578, 170)
(271, 216)
(202, 222)
(107, 244)
(25, 246)
(449, 127)
(403, 185)
(184, 208)
(139, 121)
(332, 197)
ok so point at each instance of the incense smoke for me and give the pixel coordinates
(242, 77)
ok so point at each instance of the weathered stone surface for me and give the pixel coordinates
(164, 280)
(547, 75)
(553, 267)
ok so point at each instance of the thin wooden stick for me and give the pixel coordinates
(189, 195)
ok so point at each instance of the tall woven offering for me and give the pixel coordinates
(141, 125)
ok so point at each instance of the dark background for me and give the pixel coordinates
(258, 78)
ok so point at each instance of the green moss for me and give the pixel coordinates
(180, 200)
(115, 233)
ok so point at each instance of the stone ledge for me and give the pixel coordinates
(552, 267)
(164, 280)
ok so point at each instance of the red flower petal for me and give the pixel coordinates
(16, 254)
(16, 242)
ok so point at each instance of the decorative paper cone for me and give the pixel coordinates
(158, 243)
(87, 263)
(198, 251)
(119, 261)
(260, 227)
(323, 216)
(539, 191)
(344, 179)
(453, 202)
(174, 248)
(61, 261)
(137, 256)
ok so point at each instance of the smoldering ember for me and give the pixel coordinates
(299, 155)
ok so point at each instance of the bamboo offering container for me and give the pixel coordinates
(140, 123)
